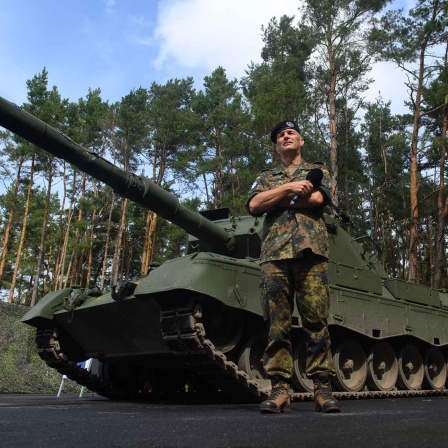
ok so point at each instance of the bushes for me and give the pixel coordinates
(21, 369)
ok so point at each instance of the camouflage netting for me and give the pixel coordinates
(21, 369)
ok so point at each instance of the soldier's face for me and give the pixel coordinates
(288, 140)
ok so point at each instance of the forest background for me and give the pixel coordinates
(59, 227)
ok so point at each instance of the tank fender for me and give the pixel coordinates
(44, 310)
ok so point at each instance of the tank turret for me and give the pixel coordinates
(194, 324)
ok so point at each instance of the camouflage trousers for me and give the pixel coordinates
(305, 278)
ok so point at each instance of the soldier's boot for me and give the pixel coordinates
(279, 399)
(323, 396)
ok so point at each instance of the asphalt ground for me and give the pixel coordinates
(92, 421)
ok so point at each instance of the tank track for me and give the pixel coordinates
(49, 350)
(307, 396)
(184, 333)
(181, 329)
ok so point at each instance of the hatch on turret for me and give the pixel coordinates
(217, 214)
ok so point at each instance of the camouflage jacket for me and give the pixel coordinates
(288, 231)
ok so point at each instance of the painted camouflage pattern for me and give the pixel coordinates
(285, 235)
(294, 263)
(279, 279)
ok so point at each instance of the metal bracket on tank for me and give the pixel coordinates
(338, 317)
(77, 296)
(126, 289)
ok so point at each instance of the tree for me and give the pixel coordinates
(338, 27)
(132, 140)
(352, 178)
(18, 158)
(387, 167)
(222, 119)
(410, 42)
(436, 121)
(172, 131)
(47, 105)
(276, 88)
(23, 231)
(86, 123)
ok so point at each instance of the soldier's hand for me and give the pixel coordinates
(300, 188)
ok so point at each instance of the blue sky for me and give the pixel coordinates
(119, 45)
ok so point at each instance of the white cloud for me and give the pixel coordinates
(389, 85)
(200, 35)
(208, 33)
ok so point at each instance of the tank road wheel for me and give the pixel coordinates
(351, 366)
(223, 326)
(251, 358)
(435, 369)
(382, 367)
(299, 378)
(410, 368)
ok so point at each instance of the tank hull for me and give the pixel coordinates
(170, 320)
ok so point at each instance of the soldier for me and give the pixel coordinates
(294, 262)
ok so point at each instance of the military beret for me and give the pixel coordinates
(285, 124)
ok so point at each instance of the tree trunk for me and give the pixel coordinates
(392, 267)
(23, 231)
(151, 218)
(218, 183)
(43, 235)
(442, 205)
(106, 242)
(333, 127)
(64, 230)
(119, 243)
(60, 268)
(346, 180)
(91, 239)
(9, 221)
(148, 247)
(414, 234)
(76, 260)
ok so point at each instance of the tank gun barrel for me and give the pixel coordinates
(136, 188)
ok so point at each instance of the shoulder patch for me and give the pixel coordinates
(254, 184)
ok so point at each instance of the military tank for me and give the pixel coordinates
(194, 324)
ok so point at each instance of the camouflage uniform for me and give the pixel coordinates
(294, 260)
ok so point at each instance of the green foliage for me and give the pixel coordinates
(401, 38)
(276, 87)
(222, 121)
(22, 370)
(386, 147)
(435, 114)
